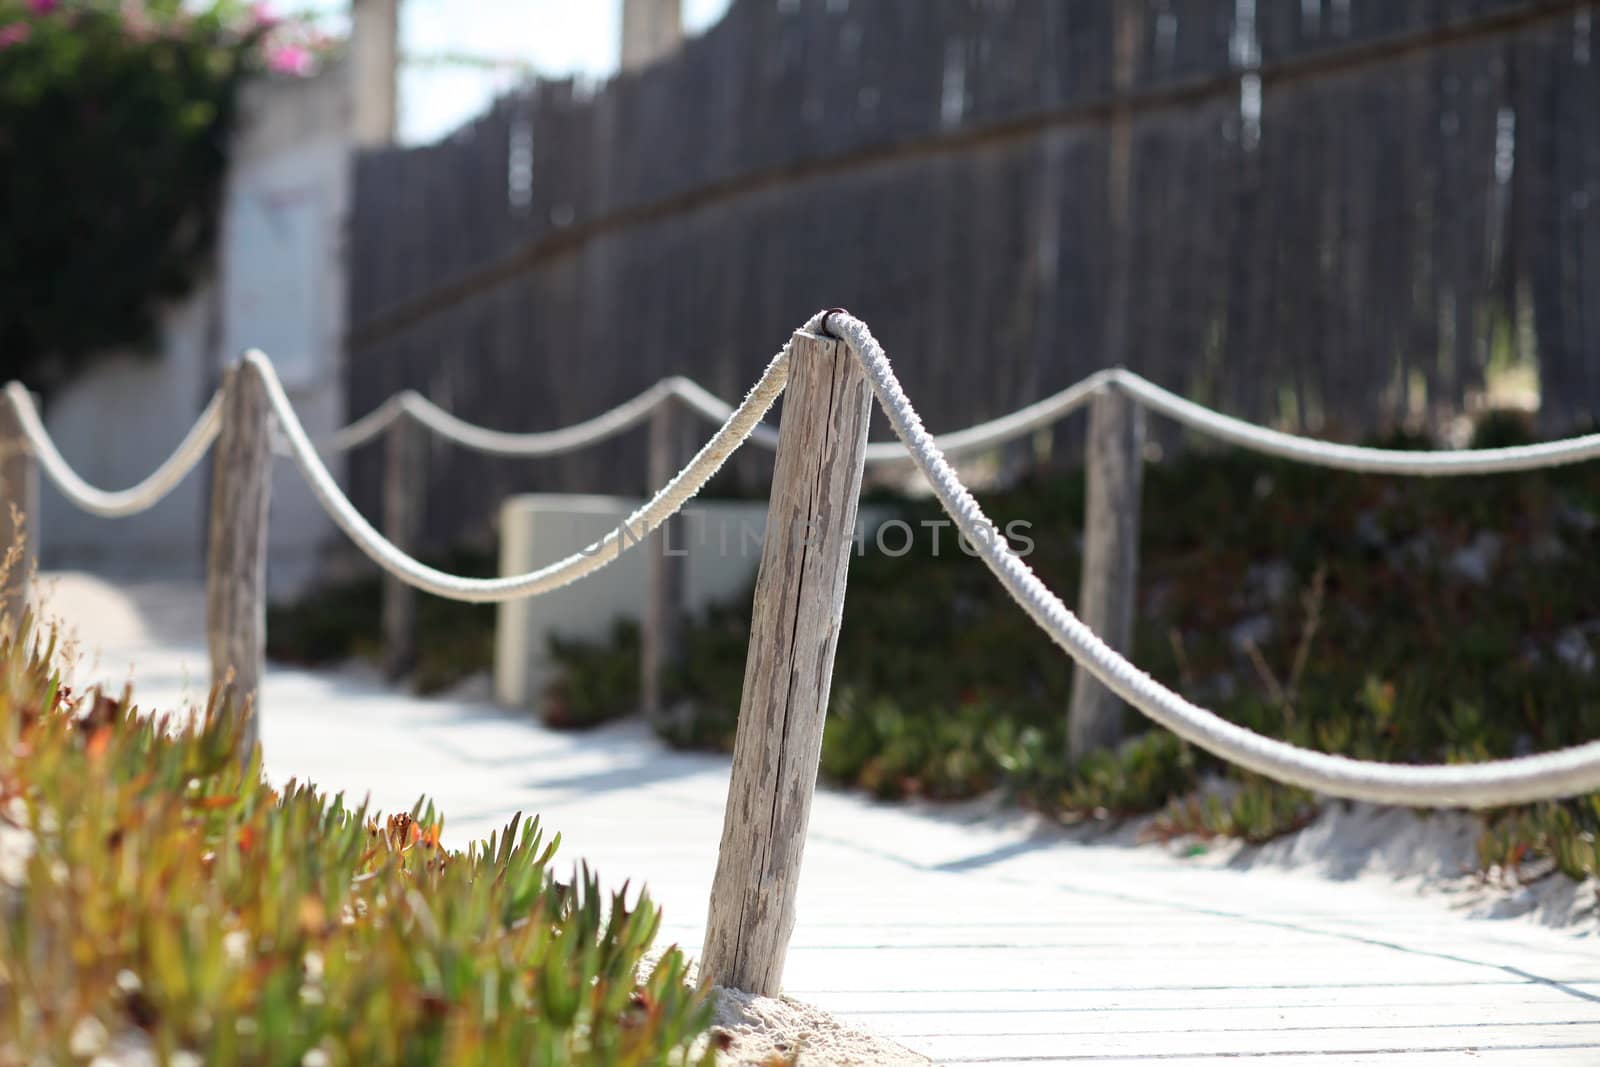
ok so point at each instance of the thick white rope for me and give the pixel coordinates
(1007, 428)
(119, 503)
(1354, 457)
(715, 409)
(983, 436)
(696, 398)
(548, 443)
(1568, 772)
(367, 426)
(683, 486)
(540, 443)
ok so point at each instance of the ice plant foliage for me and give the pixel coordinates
(156, 896)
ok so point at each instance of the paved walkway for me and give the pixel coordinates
(970, 940)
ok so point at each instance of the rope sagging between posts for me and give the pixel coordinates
(1546, 776)
(980, 437)
(667, 501)
(1309, 450)
(548, 443)
(115, 504)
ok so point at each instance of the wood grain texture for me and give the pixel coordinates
(19, 512)
(794, 629)
(236, 559)
(662, 639)
(1089, 196)
(404, 476)
(1107, 595)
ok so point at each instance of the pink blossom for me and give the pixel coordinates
(43, 7)
(262, 18)
(289, 59)
(16, 33)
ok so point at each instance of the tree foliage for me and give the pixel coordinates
(115, 121)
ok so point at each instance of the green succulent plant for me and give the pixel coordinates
(162, 895)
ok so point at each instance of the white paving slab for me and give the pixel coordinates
(967, 939)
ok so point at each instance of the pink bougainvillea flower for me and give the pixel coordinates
(43, 7)
(15, 33)
(289, 59)
(262, 18)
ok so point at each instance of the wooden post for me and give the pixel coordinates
(19, 512)
(794, 628)
(236, 558)
(374, 51)
(1107, 595)
(403, 486)
(1127, 34)
(650, 29)
(662, 639)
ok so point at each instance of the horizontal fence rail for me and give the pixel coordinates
(800, 586)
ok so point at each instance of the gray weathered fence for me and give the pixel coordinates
(1322, 213)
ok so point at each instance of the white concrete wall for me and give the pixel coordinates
(115, 425)
(280, 286)
(284, 282)
(721, 549)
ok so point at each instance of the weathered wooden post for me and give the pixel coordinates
(403, 486)
(236, 559)
(19, 511)
(794, 629)
(1106, 597)
(662, 639)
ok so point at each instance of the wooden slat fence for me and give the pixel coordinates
(1412, 191)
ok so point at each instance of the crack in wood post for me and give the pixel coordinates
(236, 557)
(794, 630)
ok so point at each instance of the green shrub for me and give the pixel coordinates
(1567, 834)
(1138, 775)
(600, 684)
(343, 621)
(1502, 428)
(1256, 812)
(1402, 620)
(173, 900)
(115, 121)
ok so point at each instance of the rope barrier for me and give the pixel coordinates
(982, 436)
(683, 486)
(552, 442)
(1355, 457)
(369, 425)
(120, 503)
(715, 409)
(1007, 428)
(1568, 772)
(696, 398)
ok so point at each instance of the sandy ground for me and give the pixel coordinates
(775, 1030)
